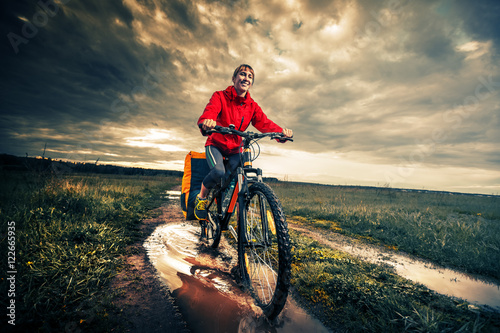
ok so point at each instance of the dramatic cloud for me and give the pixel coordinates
(397, 92)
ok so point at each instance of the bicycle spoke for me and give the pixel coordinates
(263, 273)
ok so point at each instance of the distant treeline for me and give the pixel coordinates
(392, 190)
(10, 162)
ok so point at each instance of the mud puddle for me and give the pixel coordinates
(442, 280)
(206, 292)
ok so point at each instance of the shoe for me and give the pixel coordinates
(200, 208)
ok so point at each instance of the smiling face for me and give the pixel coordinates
(243, 79)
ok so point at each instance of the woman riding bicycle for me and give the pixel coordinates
(231, 106)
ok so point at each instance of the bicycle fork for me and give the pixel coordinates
(243, 198)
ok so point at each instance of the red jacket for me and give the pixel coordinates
(226, 108)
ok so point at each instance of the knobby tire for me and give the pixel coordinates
(264, 257)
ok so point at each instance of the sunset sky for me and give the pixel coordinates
(382, 93)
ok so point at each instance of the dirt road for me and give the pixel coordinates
(207, 296)
(145, 303)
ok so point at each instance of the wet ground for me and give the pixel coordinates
(205, 290)
(210, 299)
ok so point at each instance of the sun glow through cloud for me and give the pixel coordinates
(155, 138)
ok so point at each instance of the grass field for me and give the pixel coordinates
(71, 233)
(354, 296)
(459, 231)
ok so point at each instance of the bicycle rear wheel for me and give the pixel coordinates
(264, 249)
(210, 228)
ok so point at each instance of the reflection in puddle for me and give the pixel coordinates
(442, 280)
(171, 195)
(205, 309)
(205, 291)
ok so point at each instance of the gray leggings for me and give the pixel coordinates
(215, 160)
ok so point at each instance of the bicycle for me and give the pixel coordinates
(263, 244)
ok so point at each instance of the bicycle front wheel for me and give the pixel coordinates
(264, 249)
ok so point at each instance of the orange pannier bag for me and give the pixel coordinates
(195, 170)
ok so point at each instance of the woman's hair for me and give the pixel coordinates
(242, 68)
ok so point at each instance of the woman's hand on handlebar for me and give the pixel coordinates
(208, 124)
(288, 133)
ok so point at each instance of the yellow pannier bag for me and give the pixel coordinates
(195, 170)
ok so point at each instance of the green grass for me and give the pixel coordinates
(354, 296)
(458, 231)
(71, 234)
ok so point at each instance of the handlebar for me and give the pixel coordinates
(247, 135)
